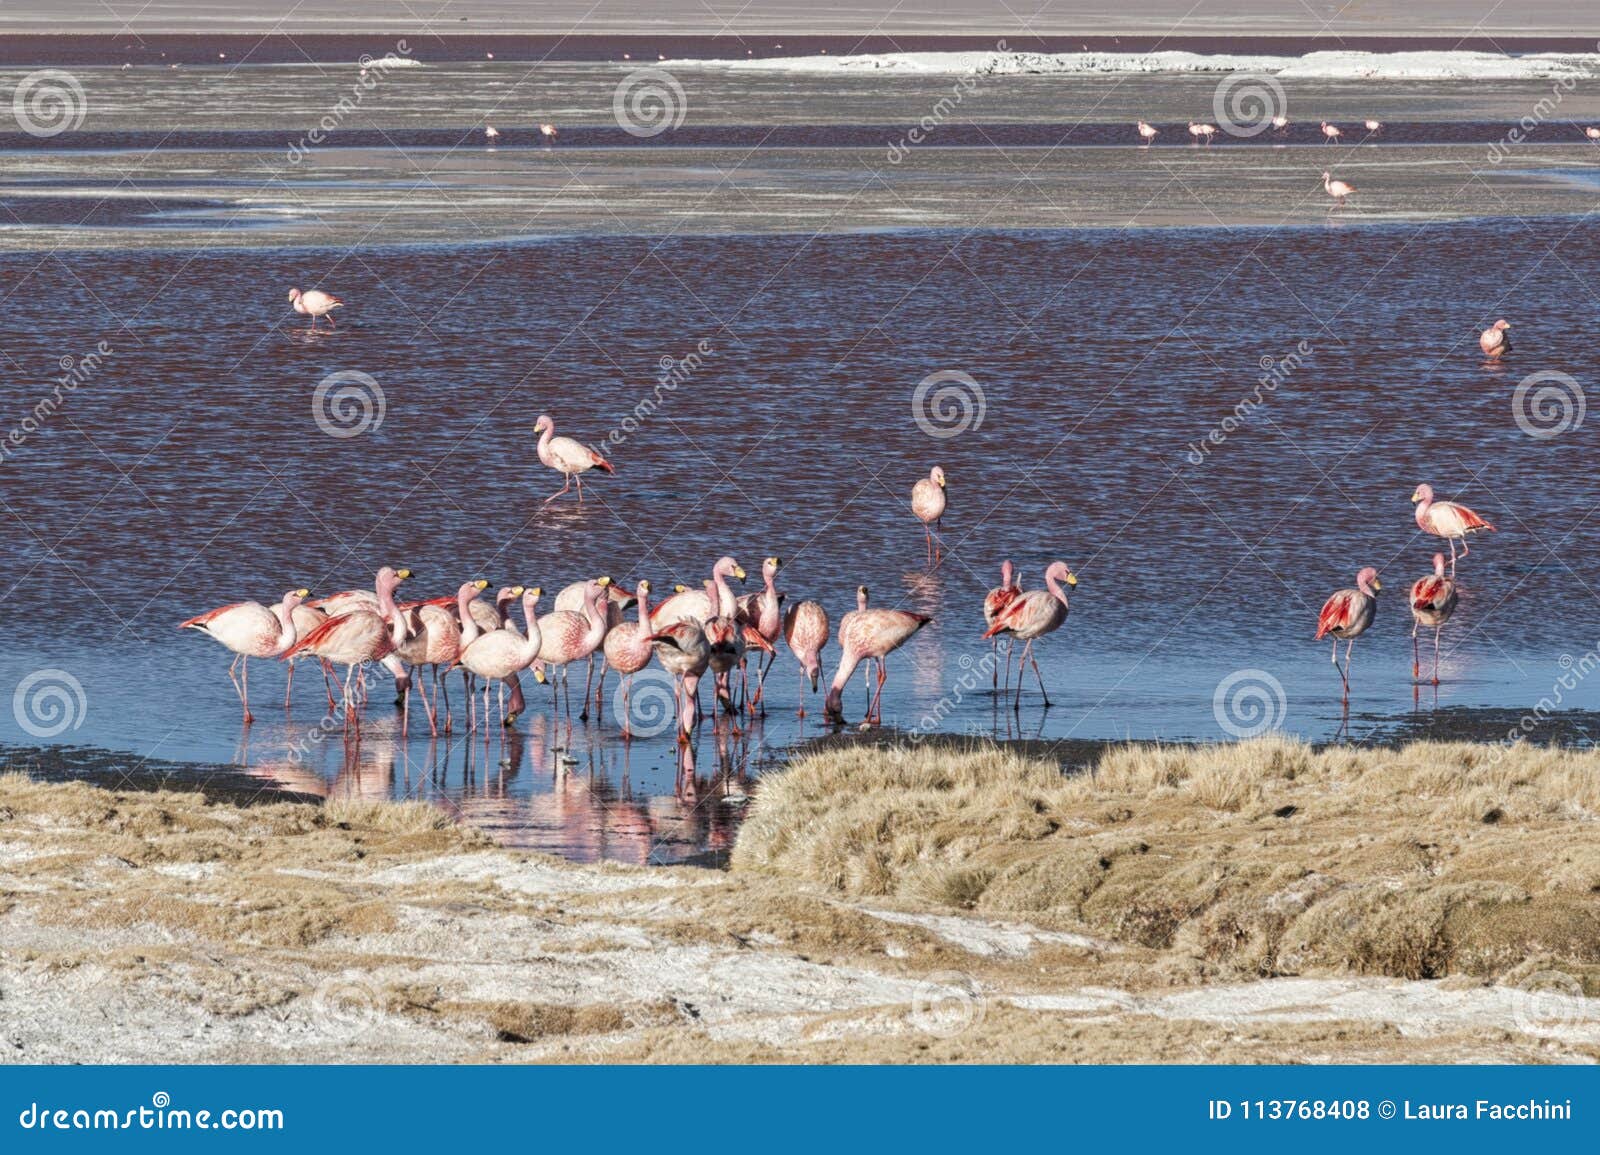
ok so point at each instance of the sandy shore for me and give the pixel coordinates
(158, 927)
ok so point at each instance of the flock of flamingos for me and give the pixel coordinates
(693, 632)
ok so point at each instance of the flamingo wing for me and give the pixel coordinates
(1336, 613)
(1470, 520)
(200, 620)
(1430, 593)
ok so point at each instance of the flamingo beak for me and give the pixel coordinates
(400, 575)
(302, 593)
(538, 674)
(482, 583)
(1415, 497)
(1376, 584)
(1072, 579)
(602, 581)
(516, 591)
(738, 572)
(537, 592)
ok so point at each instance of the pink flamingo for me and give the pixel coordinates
(627, 648)
(728, 638)
(491, 132)
(491, 617)
(567, 637)
(1030, 616)
(928, 503)
(805, 628)
(1433, 600)
(1374, 126)
(683, 652)
(618, 602)
(1592, 133)
(360, 635)
(686, 605)
(1337, 189)
(436, 635)
(762, 611)
(1495, 340)
(874, 635)
(548, 131)
(1148, 132)
(345, 602)
(497, 656)
(1280, 123)
(306, 618)
(1202, 130)
(994, 602)
(572, 459)
(1331, 132)
(1448, 520)
(250, 630)
(315, 303)
(1346, 615)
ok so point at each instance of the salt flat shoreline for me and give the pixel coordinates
(159, 927)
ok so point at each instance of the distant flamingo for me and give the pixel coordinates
(360, 635)
(1331, 132)
(762, 611)
(1148, 132)
(1030, 616)
(1202, 130)
(696, 605)
(1495, 340)
(571, 459)
(1280, 123)
(928, 503)
(1337, 189)
(683, 652)
(491, 132)
(1374, 126)
(1433, 600)
(627, 648)
(995, 601)
(548, 131)
(805, 628)
(568, 637)
(250, 630)
(1592, 133)
(873, 635)
(1448, 520)
(1345, 617)
(498, 655)
(314, 303)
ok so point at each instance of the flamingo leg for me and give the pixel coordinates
(1022, 668)
(600, 692)
(1039, 676)
(560, 491)
(874, 717)
(288, 688)
(327, 681)
(1416, 666)
(801, 712)
(244, 670)
(627, 685)
(1349, 649)
(1437, 630)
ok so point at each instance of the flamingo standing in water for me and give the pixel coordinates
(762, 612)
(1148, 132)
(548, 131)
(618, 602)
(437, 631)
(1433, 600)
(1448, 520)
(359, 636)
(567, 637)
(498, 655)
(627, 648)
(683, 652)
(1030, 616)
(873, 635)
(1345, 617)
(315, 303)
(1374, 126)
(1280, 123)
(491, 132)
(994, 602)
(571, 459)
(686, 605)
(1592, 133)
(1331, 132)
(928, 503)
(1495, 341)
(1202, 130)
(250, 630)
(805, 628)
(306, 618)
(1337, 189)
(346, 602)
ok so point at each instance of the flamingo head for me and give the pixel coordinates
(642, 588)
(1061, 572)
(530, 602)
(596, 591)
(1438, 565)
(1005, 574)
(1367, 580)
(472, 589)
(937, 477)
(545, 424)
(389, 579)
(1502, 323)
(294, 295)
(727, 567)
(1423, 493)
(861, 597)
(294, 598)
(1326, 176)
(770, 567)
(505, 593)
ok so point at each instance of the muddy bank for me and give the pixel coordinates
(166, 927)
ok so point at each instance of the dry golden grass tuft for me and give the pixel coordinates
(1263, 858)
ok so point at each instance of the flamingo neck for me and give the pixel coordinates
(534, 642)
(1055, 588)
(724, 594)
(391, 613)
(644, 613)
(1423, 507)
(1438, 567)
(597, 620)
(1365, 587)
(286, 630)
(469, 624)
